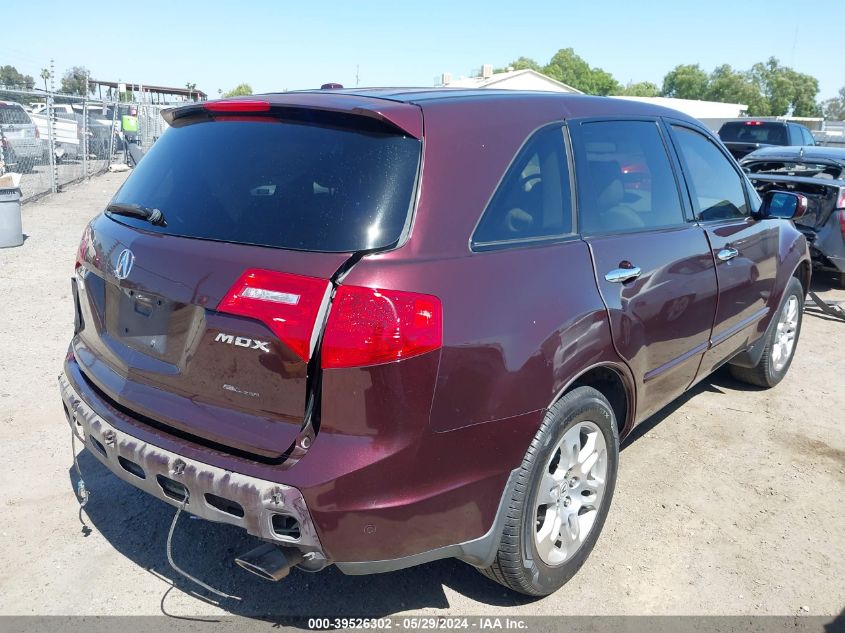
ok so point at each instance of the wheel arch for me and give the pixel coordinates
(615, 383)
(803, 273)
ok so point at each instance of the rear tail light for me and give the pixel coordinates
(37, 133)
(368, 326)
(287, 304)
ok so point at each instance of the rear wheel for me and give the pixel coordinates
(562, 496)
(782, 339)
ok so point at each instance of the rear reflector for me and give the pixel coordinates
(368, 326)
(287, 304)
(238, 105)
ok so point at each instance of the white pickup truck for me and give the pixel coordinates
(67, 127)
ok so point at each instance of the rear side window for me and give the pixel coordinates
(316, 186)
(534, 199)
(628, 183)
(13, 115)
(808, 137)
(715, 186)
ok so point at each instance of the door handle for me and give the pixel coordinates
(727, 254)
(621, 275)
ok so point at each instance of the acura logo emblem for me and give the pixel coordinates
(124, 264)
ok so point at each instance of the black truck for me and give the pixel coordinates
(743, 137)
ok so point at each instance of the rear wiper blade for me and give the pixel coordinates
(153, 216)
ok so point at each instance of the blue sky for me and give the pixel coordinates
(287, 45)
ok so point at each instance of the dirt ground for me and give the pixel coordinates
(732, 501)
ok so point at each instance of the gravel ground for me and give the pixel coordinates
(731, 501)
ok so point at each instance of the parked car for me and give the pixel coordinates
(819, 174)
(68, 142)
(404, 325)
(19, 138)
(743, 137)
(67, 130)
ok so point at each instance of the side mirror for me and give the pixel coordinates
(784, 205)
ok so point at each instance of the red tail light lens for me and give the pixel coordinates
(842, 223)
(238, 105)
(287, 304)
(368, 326)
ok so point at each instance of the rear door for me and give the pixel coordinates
(207, 322)
(745, 249)
(654, 269)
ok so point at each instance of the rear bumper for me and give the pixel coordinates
(213, 493)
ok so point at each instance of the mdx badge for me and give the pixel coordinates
(242, 341)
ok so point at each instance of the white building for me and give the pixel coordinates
(696, 109)
(525, 79)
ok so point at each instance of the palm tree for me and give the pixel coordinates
(45, 75)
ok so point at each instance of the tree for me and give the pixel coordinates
(730, 86)
(239, 91)
(45, 75)
(686, 81)
(11, 78)
(641, 89)
(73, 83)
(785, 90)
(190, 87)
(834, 109)
(572, 70)
(522, 63)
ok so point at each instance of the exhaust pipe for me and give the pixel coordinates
(269, 561)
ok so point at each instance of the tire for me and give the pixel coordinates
(519, 564)
(775, 361)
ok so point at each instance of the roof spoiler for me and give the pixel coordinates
(401, 117)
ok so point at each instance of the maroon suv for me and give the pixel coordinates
(377, 328)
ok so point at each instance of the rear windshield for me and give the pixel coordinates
(793, 168)
(13, 115)
(753, 132)
(293, 185)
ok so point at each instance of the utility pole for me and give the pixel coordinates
(51, 131)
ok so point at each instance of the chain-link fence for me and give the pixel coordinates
(53, 139)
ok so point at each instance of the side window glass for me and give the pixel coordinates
(715, 186)
(808, 137)
(628, 183)
(533, 200)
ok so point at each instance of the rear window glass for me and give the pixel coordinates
(290, 185)
(792, 168)
(754, 132)
(13, 115)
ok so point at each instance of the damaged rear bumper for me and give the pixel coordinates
(271, 511)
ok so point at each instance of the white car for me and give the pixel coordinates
(19, 138)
